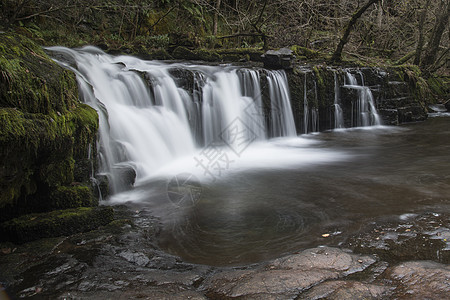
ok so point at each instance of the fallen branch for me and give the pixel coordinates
(240, 34)
(405, 58)
(51, 9)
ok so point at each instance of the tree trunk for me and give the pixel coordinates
(421, 41)
(436, 36)
(216, 17)
(338, 52)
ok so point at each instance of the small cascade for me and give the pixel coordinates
(315, 124)
(225, 106)
(364, 112)
(314, 120)
(305, 109)
(338, 113)
(282, 117)
(310, 120)
(148, 119)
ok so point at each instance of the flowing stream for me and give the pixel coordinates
(218, 160)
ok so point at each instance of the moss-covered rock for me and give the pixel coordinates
(212, 55)
(56, 223)
(47, 138)
(182, 52)
(300, 51)
(30, 80)
(72, 196)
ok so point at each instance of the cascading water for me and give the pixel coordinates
(364, 112)
(338, 113)
(305, 108)
(282, 117)
(147, 121)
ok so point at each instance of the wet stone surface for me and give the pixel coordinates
(411, 237)
(421, 279)
(287, 276)
(123, 261)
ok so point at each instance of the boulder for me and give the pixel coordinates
(278, 59)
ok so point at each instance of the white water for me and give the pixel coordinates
(338, 113)
(282, 117)
(305, 108)
(151, 122)
(364, 112)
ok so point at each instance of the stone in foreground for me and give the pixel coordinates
(286, 277)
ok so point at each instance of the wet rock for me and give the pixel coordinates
(278, 59)
(101, 186)
(288, 276)
(126, 175)
(286, 283)
(411, 114)
(424, 237)
(324, 258)
(347, 290)
(447, 105)
(421, 280)
(161, 277)
(137, 258)
(389, 116)
(143, 292)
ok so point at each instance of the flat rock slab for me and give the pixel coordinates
(421, 280)
(286, 277)
(340, 289)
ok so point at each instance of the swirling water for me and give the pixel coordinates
(232, 184)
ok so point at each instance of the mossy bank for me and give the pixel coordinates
(46, 134)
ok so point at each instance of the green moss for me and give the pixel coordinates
(439, 87)
(31, 81)
(44, 131)
(305, 52)
(43, 147)
(56, 223)
(72, 196)
(321, 85)
(208, 55)
(252, 54)
(181, 52)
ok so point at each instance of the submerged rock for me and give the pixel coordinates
(412, 237)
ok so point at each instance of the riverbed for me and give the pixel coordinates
(380, 192)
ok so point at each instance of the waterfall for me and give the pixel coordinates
(305, 108)
(338, 113)
(148, 118)
(282, 117)
(364, 112)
